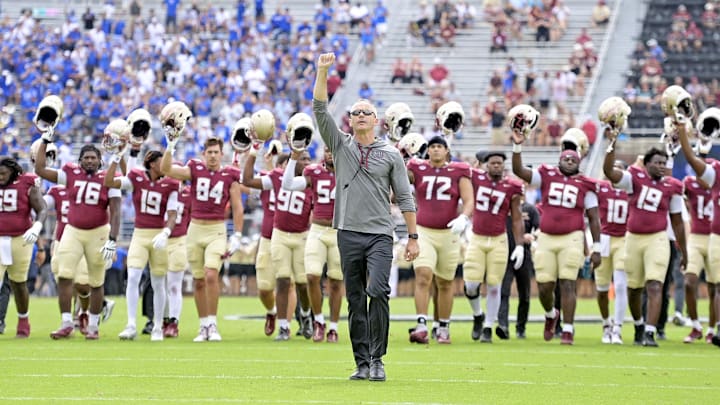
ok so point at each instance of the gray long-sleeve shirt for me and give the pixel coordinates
(364, 176)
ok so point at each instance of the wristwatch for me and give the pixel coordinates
(413, 236)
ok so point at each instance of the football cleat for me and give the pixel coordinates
(92, 334)
(550, 324)
(443, 336)
(709, 337)
(23, 328)
(715, 340)
(283, 335)
(607, 334)
(419, 336)
(148, 328)
(434, 333)
(64, 332)
(83, 322)
(156, 335)
(107, 310)
(695, 334)
(2, 327)
(502, 332)
(649, 339)
(332, 336)
(307, 326)
(616, 338)
(486, 335)
(477, 326)
(171, 329)
(202, 335)
(567, 338)
(639, 331)
(129, 333)
(318, 332)
(269, 324)
(212, 333)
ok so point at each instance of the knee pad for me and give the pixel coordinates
(472, 289)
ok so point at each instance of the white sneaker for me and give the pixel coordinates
(156, 335)
(202, 335)
(606, 336)
(213, 334)
(129, 333)
(107, 310)
(616, 338)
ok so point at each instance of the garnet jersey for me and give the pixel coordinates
(267, 199)
(62, 205)
(210, 189)
(437, 191)
(15, 205)
(700, 201)
(613, 209)
(89, 198)
(322, 183)
(183, 212)
(292, 208)
(150, 198)
(492, 202)
(650, 201)
(715, 187)
(564, 200)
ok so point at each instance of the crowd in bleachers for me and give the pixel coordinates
(679, 48)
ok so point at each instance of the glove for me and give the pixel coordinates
(49, 135)
(108, 250)
(171, 143)
(459, 224)
(118, 157)
(31, 235)
(235, 243)
(160, 240)
(518, 256)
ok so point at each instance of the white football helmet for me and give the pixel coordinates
(264, 123)
(412, 144)
(676, 102)
(398, 120)
(50, 152)
(173, 118)
(708, 123)
(275, 147)
(575, 139)
(115, 136)
(614, 112)
(523, 119)
(243, 135)
(703, 146)
(670, 136)
(140, 123)
(450, 117)
(299, 132)
(48, 114)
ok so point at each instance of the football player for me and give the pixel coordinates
(177, 261)
(155, 200)
(707, 172)
(439, 187)
(19, 194)
(496, 196)
(613, 207)
(651, 196)
(567, 196)
(212, 186)
(290, 225)
(91, 231)
(321, 246)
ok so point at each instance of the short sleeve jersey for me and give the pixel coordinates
(15, 205)
(150, 198)
(210, 190)
(437, 191)
(613, 209)
(322, 183)
(183, 212)
(492, 203)
(700, 201)
(62, 206)
(292, 208)
(267, 199)
(650, 201)
(88, 197)
(563, 200)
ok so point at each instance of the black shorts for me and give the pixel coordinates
(236, 269)
(406, 273)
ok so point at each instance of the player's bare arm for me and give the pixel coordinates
(171, 170)
(248, 177)
(323, 65)
(517, 166)
(38, 204)
(237, 206)
(40, 169)
(594, 225)
(678, 226)
(611, 172)
(115, 207)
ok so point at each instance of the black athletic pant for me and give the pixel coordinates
(522, 278)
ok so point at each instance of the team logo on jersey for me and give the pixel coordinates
(604, 190)
(551, 173)
(138, 179)
(76, 171)
(641, 175)
(695, 185)
(198, 167)
(62, 193)
(481, 177)
(421, 167)
(163, 185)
(224, 174)
(317, 171)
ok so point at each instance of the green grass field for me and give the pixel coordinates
(248, 367)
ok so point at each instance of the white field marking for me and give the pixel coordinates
(402, 380)
(632, 350)
(201, 400)
(484, 362)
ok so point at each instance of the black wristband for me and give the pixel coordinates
(45, 141)
(413, 236)
(134, 152)
(112, 238)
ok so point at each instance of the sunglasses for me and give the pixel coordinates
(363, 112)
